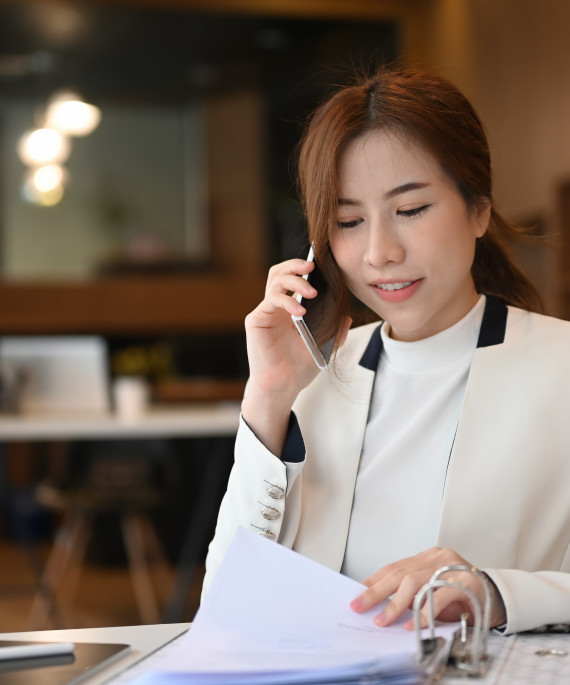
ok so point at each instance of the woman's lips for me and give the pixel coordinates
(397, 291)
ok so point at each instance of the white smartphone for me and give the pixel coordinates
(320, 353)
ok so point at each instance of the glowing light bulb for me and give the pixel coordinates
(45, 198)
(48, 177)
(43, 146)
(67, 113)
(44, 185)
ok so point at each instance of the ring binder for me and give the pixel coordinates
(487, 607)
(467, 653)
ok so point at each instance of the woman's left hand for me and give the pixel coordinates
(405, 578)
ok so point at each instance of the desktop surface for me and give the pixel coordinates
(515, 659)
(195, 420)
(143, 640)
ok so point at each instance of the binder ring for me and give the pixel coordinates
(429, 587)
(487, 606)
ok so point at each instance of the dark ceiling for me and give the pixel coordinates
(130, 53)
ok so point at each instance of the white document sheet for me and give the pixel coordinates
(271, 611)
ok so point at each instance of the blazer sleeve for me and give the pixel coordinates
(533, 599)
(261, 495)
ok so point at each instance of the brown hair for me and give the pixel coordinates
(432, 112)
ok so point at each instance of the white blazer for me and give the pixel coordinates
(506, 501)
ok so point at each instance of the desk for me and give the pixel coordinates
(514, 658)
(144, 640)
(191, 421)
(196, 420)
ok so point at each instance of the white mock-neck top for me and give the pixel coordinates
(415, 407)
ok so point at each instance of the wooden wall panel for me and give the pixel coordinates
(237, 181)
(130, 305)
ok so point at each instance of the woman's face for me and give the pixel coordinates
(404, 237)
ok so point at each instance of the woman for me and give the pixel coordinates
(441, 435)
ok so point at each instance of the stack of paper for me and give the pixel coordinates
(274, 617)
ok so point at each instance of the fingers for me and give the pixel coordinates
(283, 280)
(276, 301)
(406, 575)
(402, 580)
(288, 277)
(448, 605)
(402, 599)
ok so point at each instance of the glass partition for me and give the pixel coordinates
(137, 189)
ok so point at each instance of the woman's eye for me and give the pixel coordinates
(349, 224)
(416, 211)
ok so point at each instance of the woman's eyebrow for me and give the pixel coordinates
(345, 202)
(405, 188)
(398, 190)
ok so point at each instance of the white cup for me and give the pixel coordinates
(131, 397)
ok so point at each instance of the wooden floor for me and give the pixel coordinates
(104, 595)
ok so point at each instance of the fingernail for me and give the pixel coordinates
(381, 619)
(356, 604)
(409, 625)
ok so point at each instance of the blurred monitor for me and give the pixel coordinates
(56, 374)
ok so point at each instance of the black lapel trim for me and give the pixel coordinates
(371, 356)
(494, 323)
(492, 332)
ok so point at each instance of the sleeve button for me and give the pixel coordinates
(270, 513)
(275, 492)
(266, 534)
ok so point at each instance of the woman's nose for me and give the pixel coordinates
(384, 246)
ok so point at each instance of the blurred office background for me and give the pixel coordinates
(155, 229)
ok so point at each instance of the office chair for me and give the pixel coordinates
(118, 478)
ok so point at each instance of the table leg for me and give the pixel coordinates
(202, 521)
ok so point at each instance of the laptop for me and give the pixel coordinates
(56, 373)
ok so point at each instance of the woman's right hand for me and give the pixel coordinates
(279, 363)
